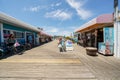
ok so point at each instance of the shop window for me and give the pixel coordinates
(6, 33)
(18, 34)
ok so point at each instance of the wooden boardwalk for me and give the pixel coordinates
(47, 63)
(103, 67)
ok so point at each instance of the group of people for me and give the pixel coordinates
(12, 43)
(62, 44)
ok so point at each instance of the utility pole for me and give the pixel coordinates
(116, 30)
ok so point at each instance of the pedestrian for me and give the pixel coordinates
(30, 41)
(61, 45)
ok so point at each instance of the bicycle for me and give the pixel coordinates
(28, 46)
(1, 54)
(20, 49)
(3, 50)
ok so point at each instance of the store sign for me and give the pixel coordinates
(109, 35)
(109, 40)
(69, 45)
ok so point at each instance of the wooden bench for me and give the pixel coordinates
(91, 51)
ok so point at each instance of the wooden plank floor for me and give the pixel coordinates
(103, 67)
(47, 63)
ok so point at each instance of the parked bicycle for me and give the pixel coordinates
(6, 50)
(1, 53)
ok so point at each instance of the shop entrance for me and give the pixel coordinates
(29, 37)
(100, 36)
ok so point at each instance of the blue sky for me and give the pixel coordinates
(56, 17)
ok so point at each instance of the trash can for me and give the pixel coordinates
(91, 51)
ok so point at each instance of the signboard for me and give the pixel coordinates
(101, 47)
(107, 46)
(69, 45)
(109, 35)
(109, 40)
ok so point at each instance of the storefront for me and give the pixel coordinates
(21, 30)
(44, 37)
(98, 33)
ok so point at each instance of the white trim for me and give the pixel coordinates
(1, 30)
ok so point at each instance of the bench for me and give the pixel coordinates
(91, 51)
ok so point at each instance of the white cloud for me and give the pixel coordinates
(78, 6)
(57, 30)
(52, 30)
(32, 9)
(65, 32)
(59, 14)
(55, 5)
(73, 27)
(58, 4)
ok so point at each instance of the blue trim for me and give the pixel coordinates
(17, 28)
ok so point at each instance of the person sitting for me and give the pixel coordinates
(11, 41)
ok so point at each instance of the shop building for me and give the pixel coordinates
(21, 30)
(99, 33)
(44, 37)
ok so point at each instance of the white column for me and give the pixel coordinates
(115, 39)
(116, 30)
(1, 32)
(38, 39)
(118, 39)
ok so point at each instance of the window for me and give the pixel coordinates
(18, 34)
(6, 33)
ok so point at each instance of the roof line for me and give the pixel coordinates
(104, 18)
(9, 19)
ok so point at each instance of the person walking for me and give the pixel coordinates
(61, 45)
(30, 41)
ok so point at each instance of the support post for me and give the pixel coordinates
(96, 38)
(1, 33)
(116, 31)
